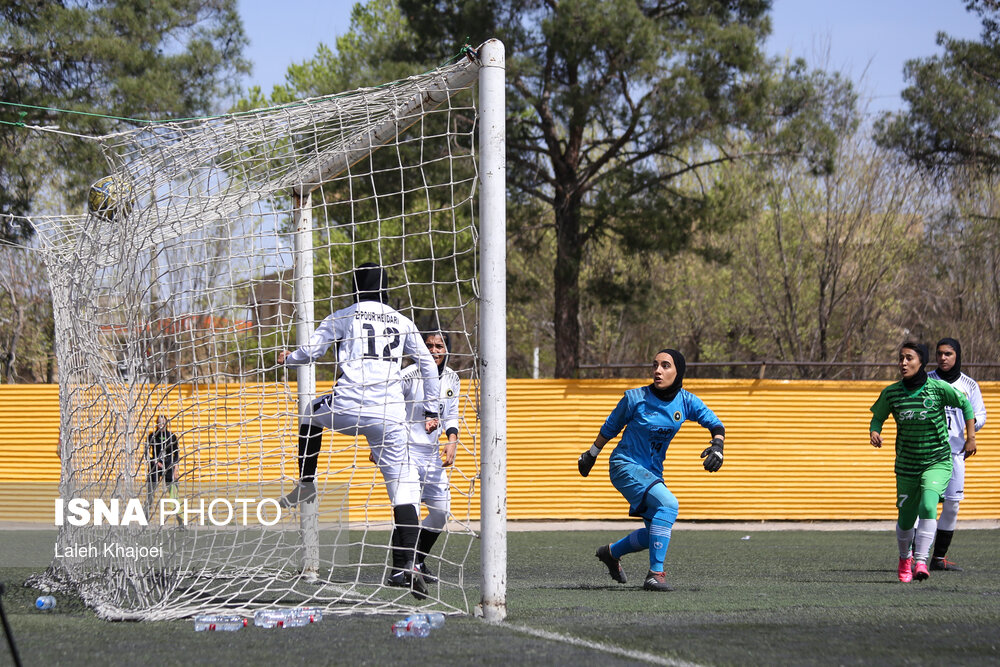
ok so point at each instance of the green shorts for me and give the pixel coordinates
(921, 495)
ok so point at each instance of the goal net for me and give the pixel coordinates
(215, 244)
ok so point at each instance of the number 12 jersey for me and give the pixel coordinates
(371, 339)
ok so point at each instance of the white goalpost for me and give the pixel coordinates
(493, 339)
(220, 242)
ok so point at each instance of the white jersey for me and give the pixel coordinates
(371, 340)
(956, 419)
(446, 405)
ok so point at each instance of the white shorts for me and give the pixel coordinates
(434, 482)
(956, 487)
(386, 437)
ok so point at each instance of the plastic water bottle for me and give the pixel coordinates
(45, 602)
(408, 628)
(310, 614)
(294, 619)
(218, 622)
(272, 618)
(434, 619)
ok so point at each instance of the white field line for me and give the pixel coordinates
(598, 646)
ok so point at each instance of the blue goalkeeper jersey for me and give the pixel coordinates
(651, 423)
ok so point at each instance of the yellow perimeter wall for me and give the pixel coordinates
(794, 450)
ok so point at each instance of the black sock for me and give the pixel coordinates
(310, 442)
(406, 526)
(397, 553)
(425, 542)
(941, 542)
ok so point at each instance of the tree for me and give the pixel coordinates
(363, 216)
(611, 103)
(957, 285)
(826, 259)
(27, 350)
(119, 58)
(949, 129)
(378, 47)
(953, 103)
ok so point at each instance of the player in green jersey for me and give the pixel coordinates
(923, 453)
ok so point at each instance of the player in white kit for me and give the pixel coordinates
(425, 451)
(949, 360)
(371, 339)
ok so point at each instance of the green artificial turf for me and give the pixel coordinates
(779, 597)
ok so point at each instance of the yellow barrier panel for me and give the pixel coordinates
(794, 450)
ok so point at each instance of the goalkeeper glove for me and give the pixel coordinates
(713, 455)
(586, 462)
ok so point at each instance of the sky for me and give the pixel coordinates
(870, 38)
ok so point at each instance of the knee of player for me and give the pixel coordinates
(661, 496)
(441, 505)
(437, 518)
(667, 513)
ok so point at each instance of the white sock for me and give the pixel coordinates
(949, 515)
(923, 539)
(904, 538)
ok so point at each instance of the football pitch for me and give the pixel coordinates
(789, 597)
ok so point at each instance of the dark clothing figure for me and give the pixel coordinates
(164, 453)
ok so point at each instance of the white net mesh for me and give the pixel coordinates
(172, 298)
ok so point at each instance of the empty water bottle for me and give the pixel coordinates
(434, 619)
(408, 628)
(296, 620)
(215, 622)
(272, 618)
(45, 602)
(309, 614)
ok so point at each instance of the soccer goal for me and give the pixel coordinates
(211, 245)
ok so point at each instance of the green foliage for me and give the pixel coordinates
(125, 58)
(394, 207)
(376, 49)
(948, 129)
(27, 345)
(958, 280)
(953, 103)
(612, 103)
(617, 113)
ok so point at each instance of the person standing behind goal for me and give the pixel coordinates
(367, 400)
(949, 361)
(164, 455)
(435, 487)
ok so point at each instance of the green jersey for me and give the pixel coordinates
(921, 423)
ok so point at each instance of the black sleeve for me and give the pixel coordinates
(718, 430)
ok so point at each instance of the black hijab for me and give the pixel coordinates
(670, 392)
(371, 283)
(956, 370)
(920, 377)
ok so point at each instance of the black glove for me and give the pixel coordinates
(713, 455)
(586, 462)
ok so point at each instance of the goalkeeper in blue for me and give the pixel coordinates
(651, 416)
